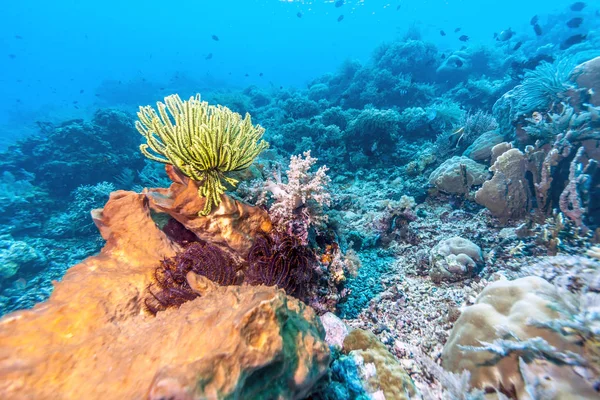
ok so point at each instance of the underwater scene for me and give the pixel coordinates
(300, 199)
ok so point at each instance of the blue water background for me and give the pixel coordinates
(64, 59)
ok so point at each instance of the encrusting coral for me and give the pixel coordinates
(87, 335)
(204, 142)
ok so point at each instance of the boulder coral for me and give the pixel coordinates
(508, 309)
(507, 194)
(231, 342)
(455, 259)
(457, 175)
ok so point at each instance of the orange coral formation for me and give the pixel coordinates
(231, 226)
(93, 340)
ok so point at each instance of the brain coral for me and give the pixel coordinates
(507, 194)
(455, 259)
(457, 175)
(508, 306)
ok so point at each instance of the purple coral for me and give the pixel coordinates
(171, 288)
(282, 260)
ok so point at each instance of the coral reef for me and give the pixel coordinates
(442, 245)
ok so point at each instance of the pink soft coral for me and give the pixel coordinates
(299, 203)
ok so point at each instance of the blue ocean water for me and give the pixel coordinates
(421, 153)
(61, 52)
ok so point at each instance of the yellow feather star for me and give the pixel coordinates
(202, 141)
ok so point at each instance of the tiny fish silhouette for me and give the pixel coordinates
(339, 3)
(215, 38)
(299, 15)
(442, 33)
(12, 56)
(577, 6)
(575, 22)
(534, 20)
(340, 18)
(457, 30)
(517, 46)
(18, 37)
(261, 74)
(463, 38)
(398, 8)
(81, 91)
(537, 29)
(209, 56)
(573, 40)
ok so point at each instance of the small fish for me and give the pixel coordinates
(534, 20)
(457, 30)
(162, 88)
(75, 102)
(456, 136)
(463, 38)
(431, 115)
(261, 74)
(517, 46)
(246, 75)
(442, 33)
(573, 40)
(443, 56)
(18, 37)
(398, 8)
(209, 56)
(215, 38)
(577, 6)
(458, 63)
(340, 18)
(575, 22)
(299, 14)
(339, 3)
(505, 35)
(77, 107)
(12, 56)
(537, 29)
(81, 91)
